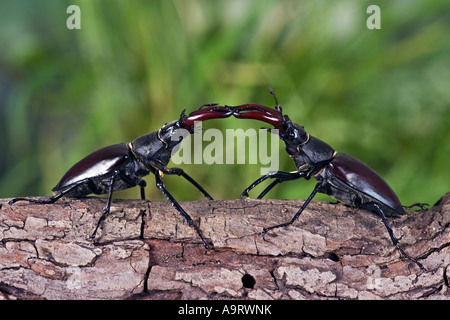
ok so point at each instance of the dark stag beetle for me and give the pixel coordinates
(339, 175)
(122, 166)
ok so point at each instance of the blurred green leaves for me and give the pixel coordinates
(381, 95)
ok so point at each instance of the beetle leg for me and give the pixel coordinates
(280, 176)
(176, 205)
(180, 172)
(48, 201)
(305, 204)
(268, 188)
(57, 196)
(142, 186)
(375, 207)
(108, 203)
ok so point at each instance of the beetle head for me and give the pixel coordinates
(293, 135)
(171, 134)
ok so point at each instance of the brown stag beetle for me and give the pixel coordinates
(122, 166)
(339, 175)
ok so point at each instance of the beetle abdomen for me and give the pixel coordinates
(362, 178)
(98, 163)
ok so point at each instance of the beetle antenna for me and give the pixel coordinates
(279, 109)
(182, 113)
(277, 106)
(274, 96)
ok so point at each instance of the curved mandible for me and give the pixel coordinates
(213, 111)
(259, 112)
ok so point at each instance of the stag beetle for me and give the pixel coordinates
(339, 175)
(122, 166)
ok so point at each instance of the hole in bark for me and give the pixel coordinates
(333, 257)
(248, 281)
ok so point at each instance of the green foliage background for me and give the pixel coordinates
(382, 96)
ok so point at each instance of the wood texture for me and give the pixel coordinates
(145, 250)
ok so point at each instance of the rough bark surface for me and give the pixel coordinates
(145, 250)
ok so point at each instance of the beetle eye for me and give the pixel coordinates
(303, 136)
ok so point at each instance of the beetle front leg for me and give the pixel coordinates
(280, 176)
(268, 188)
(180, 172)
(176, 205)
(305, 204)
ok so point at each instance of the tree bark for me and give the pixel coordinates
(145, 250)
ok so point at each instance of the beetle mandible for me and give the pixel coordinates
(339, 175)
(122, 166)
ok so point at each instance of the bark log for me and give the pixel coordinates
(145, 250)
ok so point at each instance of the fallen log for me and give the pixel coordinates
(145, 250)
